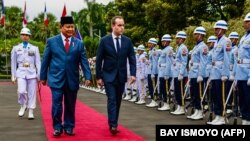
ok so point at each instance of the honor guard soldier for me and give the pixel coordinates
(220, 71)
(152, 77)
(210, 43)
(243, 72)
(135, 93)
(141, 74)
(25, 69)
(180, 71)
(165, 62)
(129, 87)
(234, 37)
(197, 72)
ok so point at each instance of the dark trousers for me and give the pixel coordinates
(150, 85)
(114, 91)
(179, 91)
(163, 89)
(69, 98)
(196, 93)
(244, 99)
(217, 96)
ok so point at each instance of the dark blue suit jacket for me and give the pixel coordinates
(60, 66)
(110, 65)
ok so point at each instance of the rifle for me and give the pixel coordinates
(205, 91)
(155, 88)
(210, 103)
(235, 106)
(223, 102)
(171, 95)
(229, 94)
(186, 88)
(228, 97)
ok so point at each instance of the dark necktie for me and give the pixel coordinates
(117, 45)
(67, 45)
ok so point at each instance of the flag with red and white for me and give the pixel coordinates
(45, 20)
(2, 15)
(25, 22)
(64, 12)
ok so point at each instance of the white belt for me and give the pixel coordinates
(243, 61)
(216, 63)
(194, 64)
(163, 65)
(178, 64)
(209, 65)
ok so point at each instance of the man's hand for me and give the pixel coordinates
(43, 82)
(13, 82)
(180, 77)
(132, 80)
(248, 81)
(99, 82)
(87, 82)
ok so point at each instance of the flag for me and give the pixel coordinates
(45, 20)
(25, 22)
(2, 15)
(77, 34)
(64, 13)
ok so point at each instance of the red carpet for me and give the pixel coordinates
(87, 120)
(5, 83)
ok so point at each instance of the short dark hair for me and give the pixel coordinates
(114, 18)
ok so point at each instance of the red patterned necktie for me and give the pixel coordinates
(67, 45)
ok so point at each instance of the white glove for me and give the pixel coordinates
(180, 77)
(231, 77)
(223, 78)
(199, 79)
(166, 77)
(152, 76)
(248, 81)
(13, 78)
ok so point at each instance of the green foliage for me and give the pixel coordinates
(91, 44)
(144, 19)
(7, 45)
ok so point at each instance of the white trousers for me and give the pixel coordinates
(26, 90)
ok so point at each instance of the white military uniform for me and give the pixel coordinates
(25, 68)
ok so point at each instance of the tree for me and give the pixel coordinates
(13, 25)
(44, 32)
(90, 21)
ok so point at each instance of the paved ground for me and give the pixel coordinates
(138, 118)
(14, 128)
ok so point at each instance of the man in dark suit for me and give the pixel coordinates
(61, 59)
(111, 68)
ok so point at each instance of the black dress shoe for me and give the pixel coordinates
(57, 133)
(69, 132)
(114, 130)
